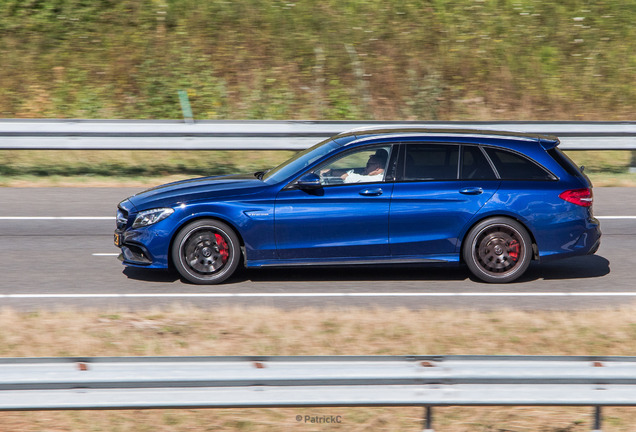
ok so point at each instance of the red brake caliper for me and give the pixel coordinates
(223, 249)
(513, 250)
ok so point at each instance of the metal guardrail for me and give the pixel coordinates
(339, 381)
(268, 135)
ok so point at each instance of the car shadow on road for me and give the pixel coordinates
(448, 272)
(583, 267)
(151, 275)
(591, 266)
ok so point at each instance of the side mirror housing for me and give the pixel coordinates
(309, 181)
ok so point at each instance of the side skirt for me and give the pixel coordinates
(351, 262)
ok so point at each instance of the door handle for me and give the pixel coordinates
(371, 192)
(471, 191)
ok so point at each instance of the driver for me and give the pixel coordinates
(374, 170)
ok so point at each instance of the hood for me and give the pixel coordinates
(187, 191)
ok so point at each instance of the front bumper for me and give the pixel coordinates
(137, 255)
(142, 248)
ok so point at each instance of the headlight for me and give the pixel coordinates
(150, 217)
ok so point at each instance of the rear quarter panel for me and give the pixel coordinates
(557, 227)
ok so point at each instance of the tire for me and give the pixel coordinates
(206, 252)
(497, 250)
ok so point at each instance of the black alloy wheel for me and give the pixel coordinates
(498, 250)
(206, 251)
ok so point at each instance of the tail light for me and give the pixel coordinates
(581, 197)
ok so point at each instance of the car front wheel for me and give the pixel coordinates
(206, 251)
(498, 250)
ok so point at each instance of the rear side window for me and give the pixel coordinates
(566, 163)
(512, 166)
(431, 162)
(475, 166)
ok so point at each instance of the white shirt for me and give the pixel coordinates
(359, 178)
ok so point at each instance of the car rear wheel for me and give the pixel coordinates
(498, 250)
(206, 252)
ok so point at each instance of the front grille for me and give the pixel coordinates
(122, 218)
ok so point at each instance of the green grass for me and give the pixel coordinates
(272, 59)
(26, 167)
(607, 162)
(327, 59)
(606, 168)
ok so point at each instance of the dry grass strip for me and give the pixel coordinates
(182, 331)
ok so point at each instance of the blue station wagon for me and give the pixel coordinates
(492, 200)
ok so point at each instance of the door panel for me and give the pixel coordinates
(430, 205)
(427, 217)
(349, 220)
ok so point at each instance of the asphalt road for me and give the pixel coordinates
(50, 261)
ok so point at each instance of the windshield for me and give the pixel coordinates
(299, 161)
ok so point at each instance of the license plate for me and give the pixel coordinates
(117, 240)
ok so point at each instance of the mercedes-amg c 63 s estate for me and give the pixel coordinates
(492, 200)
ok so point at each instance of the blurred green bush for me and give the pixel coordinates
(319, 59)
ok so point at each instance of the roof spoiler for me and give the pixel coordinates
(549, 142)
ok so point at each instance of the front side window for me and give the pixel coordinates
(299, 161)
(512, 166)
(367, 165)
(431, 162)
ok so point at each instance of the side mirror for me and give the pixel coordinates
(309, 181)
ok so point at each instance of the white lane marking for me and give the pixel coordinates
(615, 217)
(105, 254)
(288, 295)
(73, 218)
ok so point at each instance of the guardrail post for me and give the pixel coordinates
(597, 419)
(428, 419)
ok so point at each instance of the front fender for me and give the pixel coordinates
(253, 223)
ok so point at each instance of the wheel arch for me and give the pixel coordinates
(535, 249)
(198, 217)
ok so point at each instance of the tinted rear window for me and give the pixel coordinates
(566, 163)
(475, 166)
(512, 166)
